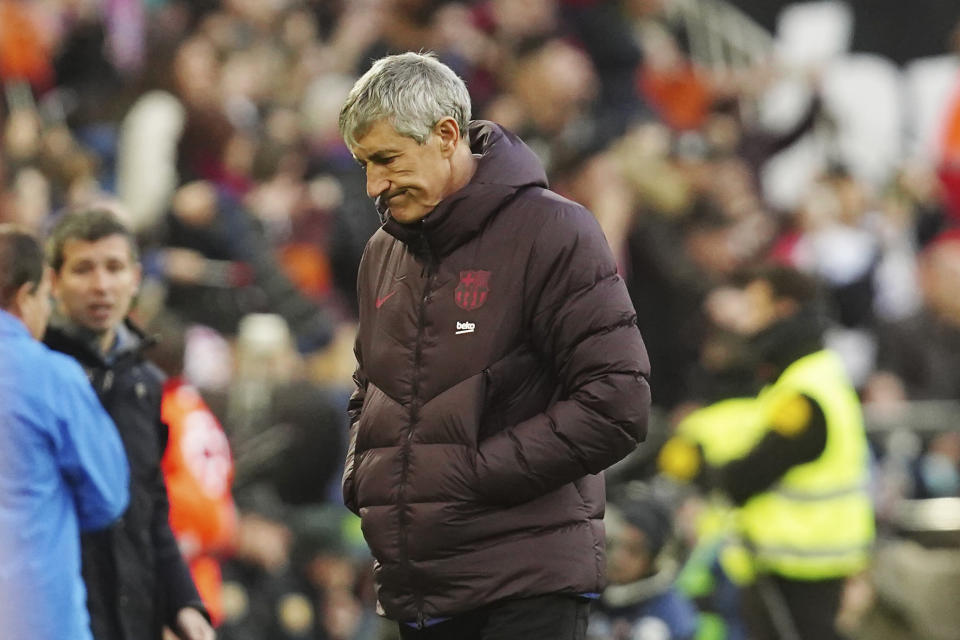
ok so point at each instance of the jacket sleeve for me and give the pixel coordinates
(581, 320)
(173, 574)
(89, 451)
(354, 408)
(789, 442)
(355, 405)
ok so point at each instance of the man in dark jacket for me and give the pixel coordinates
(500, 370)
(137, 581)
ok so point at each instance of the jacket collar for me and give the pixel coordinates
(68, 337)
(12, 325)
(504, 166)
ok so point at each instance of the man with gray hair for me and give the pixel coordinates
(500, 370)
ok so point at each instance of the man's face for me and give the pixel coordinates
(97, 282)
(36, 307)
(412, 178)
(628, 558)
(940, 280)
(745, 311)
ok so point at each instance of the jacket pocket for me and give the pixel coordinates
(490, 419)
(517, 386)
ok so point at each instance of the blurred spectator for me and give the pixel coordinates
(679, 92)
(24, 51)
(719, 565)
(596, 181)
(641, 599)
(552, 86)
(917, 362)
(917, 354)
(674, 262)
(287, 431)
(938, 469)
(606, 35)
(261, 595)
(146, 158)
(801, 479)
(727, 133)
(836, 245)
(198, 469)
(215, 251)
(137, 582)
(296, 574)
(948, 164)
(63, 470)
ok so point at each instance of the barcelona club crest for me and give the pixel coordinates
(472, 291)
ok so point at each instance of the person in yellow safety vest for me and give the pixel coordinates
(800, 478)
(718, 566)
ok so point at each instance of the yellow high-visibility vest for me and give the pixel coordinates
(817, 521)
(726, 430)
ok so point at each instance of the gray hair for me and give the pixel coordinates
(413, 91)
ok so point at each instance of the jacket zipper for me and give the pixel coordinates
(414, 417)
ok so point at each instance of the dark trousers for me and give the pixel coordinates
(777, 608)
(552, 617)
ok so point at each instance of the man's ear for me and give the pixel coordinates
(21, 299)
(449, 133)
(54, 283)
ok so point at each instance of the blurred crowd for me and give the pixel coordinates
(212, 128)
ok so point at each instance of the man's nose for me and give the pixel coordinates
(377, 182)
(101, 279)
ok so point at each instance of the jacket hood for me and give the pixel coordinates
(505, 165)
(504, 158)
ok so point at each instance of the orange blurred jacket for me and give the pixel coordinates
(199, 472)
(949, 167)
(23, 53)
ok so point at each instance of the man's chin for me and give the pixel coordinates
(406, 215)
(99, 326)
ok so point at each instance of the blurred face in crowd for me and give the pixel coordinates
(196, 71)
(940, 280)
(555, 84)
(517, 20)
(411, 178)
(34, 307)
(97, 282)
(628, 559)
(747, 311)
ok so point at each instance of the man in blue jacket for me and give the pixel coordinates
(62, 465)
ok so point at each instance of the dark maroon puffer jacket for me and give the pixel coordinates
(501, 370)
